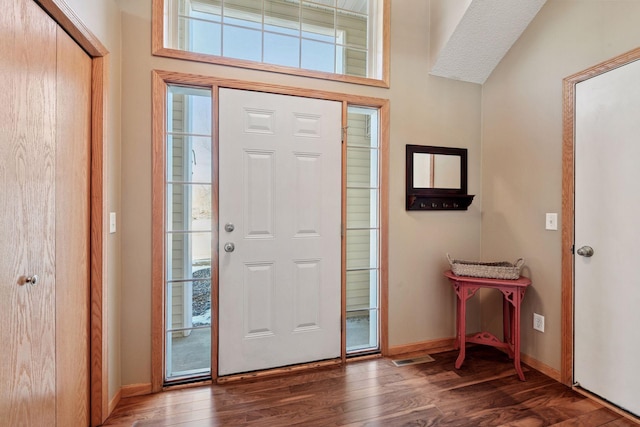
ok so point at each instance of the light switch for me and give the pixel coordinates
(112, 222)
(551, 221)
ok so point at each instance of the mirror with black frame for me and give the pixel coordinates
(436, 178)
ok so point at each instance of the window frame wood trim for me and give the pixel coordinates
(158, 219)
(158, 49)
(160, 81)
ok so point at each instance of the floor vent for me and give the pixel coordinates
(414, 361)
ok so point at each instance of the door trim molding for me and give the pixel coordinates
(66, 18)
(72, 24)
(568, 206)
(160, 79)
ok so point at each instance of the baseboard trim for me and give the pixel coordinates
(539, 366)
(114, 402)
(432, 346)
(135, 390)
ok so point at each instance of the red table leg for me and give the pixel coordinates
(507, 325)
(463, 292)
(462, 323)
(515, 322)
(511, 317)
(458, 321)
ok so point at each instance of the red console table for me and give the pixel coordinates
(512, 294)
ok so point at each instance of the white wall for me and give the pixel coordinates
(445, 17)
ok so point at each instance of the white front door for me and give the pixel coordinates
(280, 188)
(607, 219)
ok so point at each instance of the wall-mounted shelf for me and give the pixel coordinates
(459, 202)
(436, 179)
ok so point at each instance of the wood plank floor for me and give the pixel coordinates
(484, 392)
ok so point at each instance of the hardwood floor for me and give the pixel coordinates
(484, 392)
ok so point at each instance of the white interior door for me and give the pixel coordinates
(607, 219)
(280, 187)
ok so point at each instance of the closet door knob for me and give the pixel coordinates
(32, 280)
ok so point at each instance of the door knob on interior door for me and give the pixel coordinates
(229, 247)
(585, 251)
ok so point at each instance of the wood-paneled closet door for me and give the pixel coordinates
(45, 84)
(73, 161)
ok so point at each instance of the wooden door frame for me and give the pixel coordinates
(160, 80)
(67, 19)
(568, 202)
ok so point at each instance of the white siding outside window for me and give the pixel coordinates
(331, 36)
(362, 230)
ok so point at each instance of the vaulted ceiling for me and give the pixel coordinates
(470, 37)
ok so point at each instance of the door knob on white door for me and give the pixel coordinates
(229, 247)
(585, 251)
(32, 280)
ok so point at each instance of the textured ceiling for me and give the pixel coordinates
(483, 36)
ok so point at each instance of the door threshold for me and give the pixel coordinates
(363, 356)
(279, 371)
(618, 410)
(197, 382)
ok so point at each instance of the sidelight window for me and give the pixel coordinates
(363, 230)
(188, 232)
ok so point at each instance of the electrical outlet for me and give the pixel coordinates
(538, 322)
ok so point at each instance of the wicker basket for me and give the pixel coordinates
(490, 270)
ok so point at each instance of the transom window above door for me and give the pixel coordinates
(344, 40)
